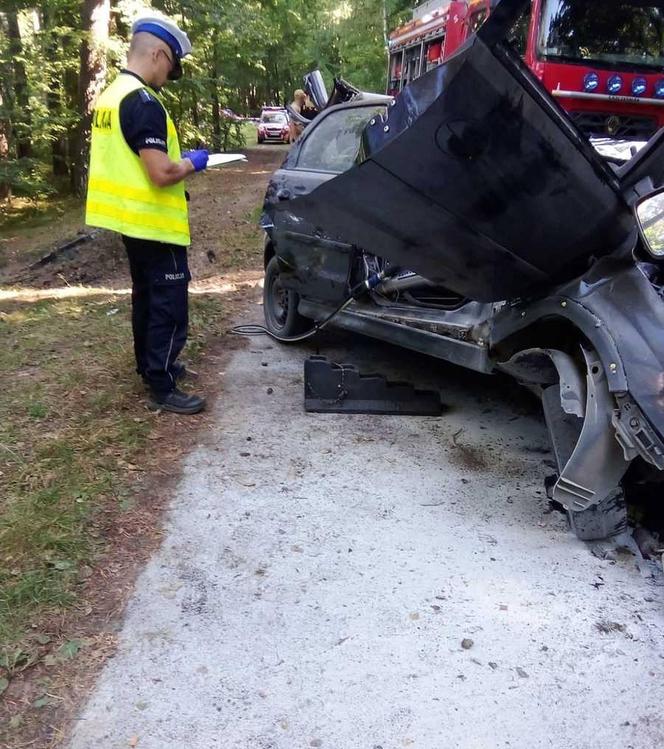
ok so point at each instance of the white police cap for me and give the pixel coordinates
(166, 30)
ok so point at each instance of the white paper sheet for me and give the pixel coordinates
(221, 159)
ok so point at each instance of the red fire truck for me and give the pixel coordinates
(603, 61)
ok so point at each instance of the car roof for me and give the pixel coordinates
(363, 99)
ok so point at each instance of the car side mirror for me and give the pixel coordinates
(650, 215)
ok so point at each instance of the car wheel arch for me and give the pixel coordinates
(559, 364)
(519, 327)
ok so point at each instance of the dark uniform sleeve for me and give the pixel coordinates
(143, 122)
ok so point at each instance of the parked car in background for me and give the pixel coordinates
(273, 125)
(472, 220)
(231, 115)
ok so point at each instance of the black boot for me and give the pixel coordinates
(177, 402)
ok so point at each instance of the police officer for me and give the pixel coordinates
(136, 187)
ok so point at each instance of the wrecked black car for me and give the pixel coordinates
(484, 229)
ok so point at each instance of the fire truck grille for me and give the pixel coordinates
(602, 124)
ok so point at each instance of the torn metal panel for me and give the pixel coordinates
(597, 464)
(564, 429)
(635, 434)
(549, 367)
(620, 310)
(632, 312)
(494, 194)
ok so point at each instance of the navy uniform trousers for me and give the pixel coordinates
(159, 297)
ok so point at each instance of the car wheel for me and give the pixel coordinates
(260, 140)
(607, 518)
(280, 305)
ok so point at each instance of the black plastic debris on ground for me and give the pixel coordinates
(340, 388)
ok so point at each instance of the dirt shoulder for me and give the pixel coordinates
(88, 470)
(224, 210)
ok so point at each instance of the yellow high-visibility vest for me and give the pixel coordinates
(121, 196)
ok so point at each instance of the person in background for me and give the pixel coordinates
(136, 188)
(309, 109)
(298, 105)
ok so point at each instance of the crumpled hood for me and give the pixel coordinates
(477, 180)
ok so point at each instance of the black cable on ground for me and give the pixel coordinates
(255, 329)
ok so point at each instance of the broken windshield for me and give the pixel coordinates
(623, 34)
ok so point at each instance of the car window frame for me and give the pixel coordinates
(316, 123)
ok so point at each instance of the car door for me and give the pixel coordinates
(316, 266)
(478, 181)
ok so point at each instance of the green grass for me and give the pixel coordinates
(29, 213)
(249, 131)
(254, 215)
(71, 420)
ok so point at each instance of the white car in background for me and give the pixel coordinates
(273, 125)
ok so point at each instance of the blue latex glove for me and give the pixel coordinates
(198, 158)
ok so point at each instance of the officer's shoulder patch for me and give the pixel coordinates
(146, 96)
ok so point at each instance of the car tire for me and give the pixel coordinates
(260, 140)
(280, 305)
(607, 518)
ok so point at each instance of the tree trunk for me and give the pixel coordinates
(54, 94)
(216, 107)
(71, 102)
(5, 190)
(22, 116)
(95, 21)
(386, 40)
(194, 115)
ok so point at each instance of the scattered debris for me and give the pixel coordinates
(606, 627)
(467, 643)
(63, 249)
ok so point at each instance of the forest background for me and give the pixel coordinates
(57, 56)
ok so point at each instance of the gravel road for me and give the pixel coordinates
(319, 574)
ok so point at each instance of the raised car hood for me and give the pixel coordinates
(477, 180)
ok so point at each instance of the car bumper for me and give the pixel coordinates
(277, 137)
